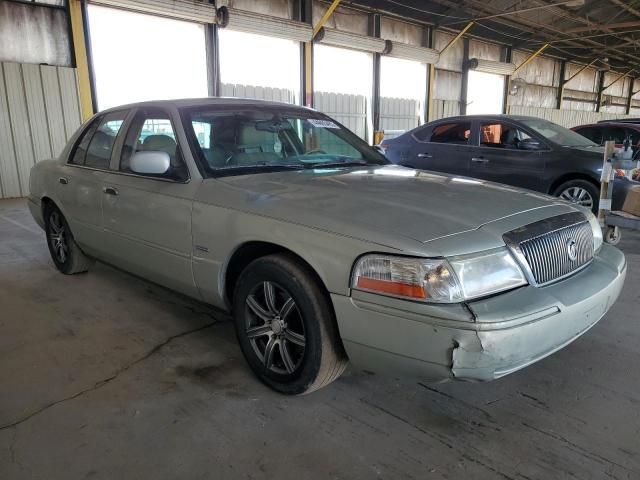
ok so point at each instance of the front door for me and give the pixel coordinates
(507, 154)
(147, 219)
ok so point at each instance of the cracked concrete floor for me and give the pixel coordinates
(104, 376)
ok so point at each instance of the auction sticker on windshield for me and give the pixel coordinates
(322, 123)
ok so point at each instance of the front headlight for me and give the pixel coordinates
(597, 229)
(438, 280)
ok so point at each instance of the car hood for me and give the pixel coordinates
(367, 203)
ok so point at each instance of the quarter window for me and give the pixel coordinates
(456, 133)
(95, 147)
(501, 135)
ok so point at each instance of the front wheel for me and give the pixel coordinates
(286, 327)
(65, 253)
(581, 192)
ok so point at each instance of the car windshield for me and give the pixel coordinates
(557, 134)
(232, 140)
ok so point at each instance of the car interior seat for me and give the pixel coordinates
(255, 146)
(509, 138)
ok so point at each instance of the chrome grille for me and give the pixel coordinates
(553, 248)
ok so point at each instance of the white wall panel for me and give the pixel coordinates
(256, 92)
(445, 108)
(399, 113)
(484, 50)
(349, 110)
(452, 58)
(39, 111)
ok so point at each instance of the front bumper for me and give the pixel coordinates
(481, 340)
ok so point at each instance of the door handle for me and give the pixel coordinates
(479, 160)
(63, 180)
(110, 191)
(424, 155)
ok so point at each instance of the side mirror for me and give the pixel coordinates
(380, 150)
(529, 144)
(150, 162)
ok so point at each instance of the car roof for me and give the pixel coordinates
(633, 126)
(207, 101)
(496, 117)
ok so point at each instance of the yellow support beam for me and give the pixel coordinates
(325, 17)
(618, 78)
(522, 65)
(531, 57)
(457, 37)
(584, 67)
(82, 63)
(432, 68)
(308, 54)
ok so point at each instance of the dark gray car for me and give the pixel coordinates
(516, 150)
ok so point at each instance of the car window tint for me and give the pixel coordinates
(500, 135)
(634, 135)
(616, 134)
(422, 134)
(102, 141)
(80, 151)
(457, 133)
(592, 133)
(152, 130)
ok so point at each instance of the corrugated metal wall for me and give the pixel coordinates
(445, 108)
(39, 111)
(566, 118)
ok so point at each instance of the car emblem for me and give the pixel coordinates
(572, 250)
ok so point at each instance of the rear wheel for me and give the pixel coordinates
(581, 192)
(65, 253)
(286, 326)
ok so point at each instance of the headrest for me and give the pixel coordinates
(162, 143)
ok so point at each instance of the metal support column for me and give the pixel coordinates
(600, 90)
(506, 57)
(374, 31)
(213, 59)
(305, 14)
(427, 41)
(465, 77)
(561, 83)
(77, 16)
(630, 96)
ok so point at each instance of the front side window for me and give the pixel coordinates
(456, 133)
(501, 135)
(96, 145)
(235, 141)
(152, 130)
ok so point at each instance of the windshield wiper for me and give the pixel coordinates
(352, 163)
(256, 168)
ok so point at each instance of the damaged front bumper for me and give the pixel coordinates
(481, 340)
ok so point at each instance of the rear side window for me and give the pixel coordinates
(592, 133)
(456, 133)
(96, 145)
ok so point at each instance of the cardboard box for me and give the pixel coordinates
(632, 202)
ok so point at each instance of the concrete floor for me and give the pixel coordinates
(104, 376)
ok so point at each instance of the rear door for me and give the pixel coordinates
(506, 155)
(147, 218)
(443, 148)
(81, 179)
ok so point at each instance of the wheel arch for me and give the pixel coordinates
(572, 176)
(249, 251)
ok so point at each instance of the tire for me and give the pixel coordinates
(577, 189)
(65, 253)
(613, 235)
(286, 326)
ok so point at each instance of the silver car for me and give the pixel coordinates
(323, 251)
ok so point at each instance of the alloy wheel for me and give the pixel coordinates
(578, 195)
(275, 328)
(58, 237)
